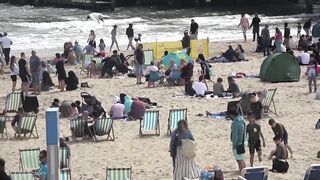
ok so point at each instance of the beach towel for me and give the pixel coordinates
(219, 115)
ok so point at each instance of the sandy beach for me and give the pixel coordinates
(149, 157)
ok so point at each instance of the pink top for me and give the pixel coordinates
(278, 36)
(244, 22)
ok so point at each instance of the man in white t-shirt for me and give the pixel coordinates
(304, 58)
(117, 111)
(200, 87)
(152, 67)
(6, 45)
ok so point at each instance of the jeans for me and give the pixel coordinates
(255, 32)
(314, 80)
(278, 45)
(6, 52)
(266, 47)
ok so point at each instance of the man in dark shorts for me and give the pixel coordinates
(254, 134)
(255, 106)
(24, 74)
(281, 132)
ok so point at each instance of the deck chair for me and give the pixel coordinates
(255, 173)
(64, 158)
(3, 127)
(29, 159)
(86, 59)
(98, 63)
(13, 102)
(150, 122)
(77, 127)
(313, 172)
(27, 125)
(148, 56)
(175, 115)
(119, 173)
(268, 101)
(104, 126)
(21, 176)
(65, 174)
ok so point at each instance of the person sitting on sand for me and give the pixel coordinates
(138, 108)
(254, 134)
(16, 120)
(72, 81)
(281, 132)
(302, 43)
(117, 111)
(107, 67)
(233, 87)
(240, 53)
(46, 82)
(200, 87)
(55, 103)
(256, 106)
(218, 88)
(186, 70)
(74, 113)
(279, 163)
(228, 56)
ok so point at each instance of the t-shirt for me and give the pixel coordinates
(287, 32)
(102, 46)
(138, 108)
(43, 171)
(305, 58)
(35, 64)
(218, 89)
(139, 56)
(88, 49)
(200, 88)
(194, 28)
(6, 42)
(117, 110)
(253, 130)
(256, 109)
(129, 32)
(280, 152)
(234, 88)
(22, 67)
(151, 68)
(279, 130)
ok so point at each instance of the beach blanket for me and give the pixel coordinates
(218, 115)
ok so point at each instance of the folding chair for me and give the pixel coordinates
(87, 59)
(21, 176)
(268, 101)
(313, 172)
(175, 115)
(255, 173)
(29, 159)
(148, 56)
(150, 122)
(64, 158)
(3, 127)
(13, 102)
(119, 173)
(104, 126)
(65, 174)
(77, 127)
(26, 126)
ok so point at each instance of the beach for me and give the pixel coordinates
(149, 157)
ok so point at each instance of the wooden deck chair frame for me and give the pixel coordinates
(268, 101)
(255, 170)
(156, 127)
(119, 169)
(170, 119)
(106, 130)
(64, 158)
(313, 167)
(21, 176)
(12, 107)
(77, 132)
(27, 125)
(22, 158)
(3, 127)
(65, 174)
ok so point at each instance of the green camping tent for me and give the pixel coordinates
(280, 67)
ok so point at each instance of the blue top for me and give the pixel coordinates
(43, 171)
(77, 49)
(35, 64)
(238, 129)
(127, 104)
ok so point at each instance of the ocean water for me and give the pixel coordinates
(48, 28)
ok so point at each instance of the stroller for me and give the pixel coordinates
(91, 104)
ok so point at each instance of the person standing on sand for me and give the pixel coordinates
(6, 46)
(265, 37)
(35, 68)
(278, 40)
(130, 35)
(62, 76)
(14, 72)
(307, 26)
(138, 63)
(238, 132)
(244, 24)
(194, 30)
(299, 30)
(286, 35)
(24, 74)
(113, 37)
(256, 27)
(185, 40)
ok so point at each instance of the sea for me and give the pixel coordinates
(47, 28)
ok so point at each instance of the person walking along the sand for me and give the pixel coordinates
(255, 25)
(114, 37)
(14, 72)
(139, 63)
(24, 74)
(6, 43)
(130, 35)
(182, 166)
(244, 24)
(265, 37)
(194, 30)
(278, 40)
(312, 73)
(286, 35)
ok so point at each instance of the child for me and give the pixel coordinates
(74, 113)
(254, 133)
(299, 30)
(91, 68)
(279, 163)
(312, 73)
(102, 47)
(256, 106)
(161, 73)
(16, 119)
(55, 103)
(218, 88)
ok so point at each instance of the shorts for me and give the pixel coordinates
(138, 69)
(244, 30)
(14, 78)
(62, 77)
(237, 156)
(24, 78)
(285, 138)
(255, 146)
(35, 78)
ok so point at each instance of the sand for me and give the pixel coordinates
(149, 156)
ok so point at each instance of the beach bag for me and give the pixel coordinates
(280, 165)
(318, 124)
(188, 148)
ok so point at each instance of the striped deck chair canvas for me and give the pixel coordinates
(21, 176)
(148, 56)
(119, 173)
(64, 158)
(13, 102)
(27, 125)
(150, 122)
(65, 174)
(3, 127)
(86, 59)
(29, 159)
(98, 63)
(175, 115)
(77, 127)
(104, 126)
(268, 101)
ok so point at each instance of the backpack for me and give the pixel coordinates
(318, 124)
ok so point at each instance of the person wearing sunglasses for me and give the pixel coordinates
(43, 170)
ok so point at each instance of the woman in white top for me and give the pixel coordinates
(92, 38)
(240, 53)
(14, 72)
